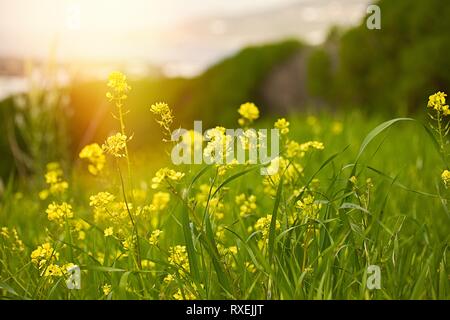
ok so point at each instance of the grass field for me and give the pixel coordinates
(373, 195)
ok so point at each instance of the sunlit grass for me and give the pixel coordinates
(351, 192)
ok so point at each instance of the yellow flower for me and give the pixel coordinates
(293, 149)
(165, 174)
(446, 177)
(282, 125)
(233, 250)
(59, 212)
(154, 237)
(147, 264)
(94, 154)
(309, 208)
(311, 145)
(101, 199)
(117, 81)
(44, 194)
(437, 102)
(106, 288)
(116, 145)
(164, 113)
(263, 225)
(337, 127)
(4, 232)
(44, 254)
(247, 205)
(54, 178)
(108, 232)
(178, 258)
(169, 278)
(250, 267)
(160, 201)
(53, 270)
(249, 112)
(186, 295)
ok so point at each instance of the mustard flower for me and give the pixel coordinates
(154, 237)
(165, 174)
(164, 113)
(116, 145)
(117, 81)
(108, 232)
(106, 288)
(247, 205)
(437, 102)
(249, 112)
(445, 176)
(282, 125)
(263, 225)
(178, 258)
(59, 212)
(309, 207)
(44, 254)
(94, 154)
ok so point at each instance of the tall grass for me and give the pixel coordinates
(377, 199)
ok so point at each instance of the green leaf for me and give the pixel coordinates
(273, 222)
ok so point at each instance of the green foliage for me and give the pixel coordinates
(401, 63)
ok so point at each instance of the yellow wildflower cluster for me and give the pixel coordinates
(147, 264)
(178, 258)
(116, 145)
(186, 295)
(13, 239)
(154, 237)
(109, 212)
(446, 177)
(249, 112)
(80, 226)
(218, 146)
(250, 267)
(101, 199)
(93, 153)
(263, 225)
(437, 102)
(117, 81)
(247, 205)
(43, 255)
(55, 181)
(165, 174)
(337, 127)
(59, 212)
(106, 289)
(282, 125)
(309, 207)
(160, 201)
(164, 113)
(280, 167)
(108, 232)
(294, 149)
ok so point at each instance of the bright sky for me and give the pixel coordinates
(25, 25)
(183, 33)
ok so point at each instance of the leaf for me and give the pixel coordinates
(273, 222)
(349, 205)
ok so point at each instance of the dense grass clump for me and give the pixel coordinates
(349, 193)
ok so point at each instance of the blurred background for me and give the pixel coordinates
(204, 58)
